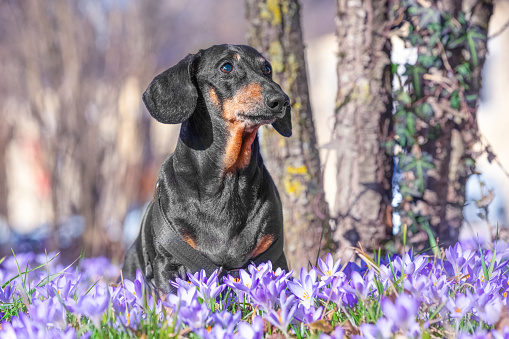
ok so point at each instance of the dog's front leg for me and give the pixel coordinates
(167, 268)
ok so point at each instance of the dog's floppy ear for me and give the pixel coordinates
(284, 125)
(171, 97)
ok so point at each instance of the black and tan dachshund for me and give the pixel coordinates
(215, 205)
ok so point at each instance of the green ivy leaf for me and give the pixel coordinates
(471, 97)
(455, 100)
(404, 98)
(463, 69)
(424, 111)
(427, 60)
(415, 39)
(433, 40)
(457, 42)
(426, 16)
(394, 68)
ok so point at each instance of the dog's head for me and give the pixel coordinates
(237, 80)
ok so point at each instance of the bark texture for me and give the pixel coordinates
(294, 163)
(363, 123)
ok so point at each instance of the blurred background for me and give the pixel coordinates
(79, 154)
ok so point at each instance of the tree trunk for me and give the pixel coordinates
(5, 135)
(294, 164)
(363, 123)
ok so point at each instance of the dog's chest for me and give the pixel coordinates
(228, 231)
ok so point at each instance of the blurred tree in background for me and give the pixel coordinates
(74, 69)
(363, 125)
(294, 163)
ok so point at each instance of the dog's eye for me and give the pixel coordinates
(268, 69)
(227, 68)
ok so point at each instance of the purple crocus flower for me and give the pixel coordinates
(181, 283)
(226, 319)
(93, 306)
(349, 299)
(258, 272)
(10, 264)
(264, 295)
(251, 331)
(200, 278)
(487, 306)
(183, 298)
(476, 274)
(338, 333)
(195, 315)
(100, 267)
(285, 317)
(459, 307)
(131, 318)
(24, 327)
(478, 334)
(416, 284)
(10, 332)
(308, 315)
(224, 326)
(403, 313)
(412, 265)
(64, 286)
(306, 288)
(361, 285)
(328, 269)
(120, 299)
(136, 288)
(156, 307)
(50, 313)
(215, 332)
(5, 294)
(458, 259)
(501, 335)
(333, 293)
(281, 279)
(384, 328)
(241, 285)
(437, 291)
(208, 287)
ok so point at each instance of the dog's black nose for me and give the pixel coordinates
(276, 102)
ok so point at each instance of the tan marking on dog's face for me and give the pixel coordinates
(246, 100)
(262, 59)
(262, 245)
(236, 57)
(213, 96)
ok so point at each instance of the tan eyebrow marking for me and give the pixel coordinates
(236, 57)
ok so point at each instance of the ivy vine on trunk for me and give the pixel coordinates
(435, 120)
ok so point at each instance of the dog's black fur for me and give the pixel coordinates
(214, 189)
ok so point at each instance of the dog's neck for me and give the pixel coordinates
(217, 152)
